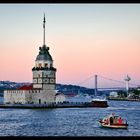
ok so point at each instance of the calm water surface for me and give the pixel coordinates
(69, 121)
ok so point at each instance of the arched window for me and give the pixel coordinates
(40, 65)
(39, 101)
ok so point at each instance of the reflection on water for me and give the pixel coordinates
(69, 121)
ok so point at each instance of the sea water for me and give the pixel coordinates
(68, 121)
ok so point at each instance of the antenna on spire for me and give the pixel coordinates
(44, 29)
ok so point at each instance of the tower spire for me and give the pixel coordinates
(44, 30)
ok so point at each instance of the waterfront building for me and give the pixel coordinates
(113, 94)
(42, 90)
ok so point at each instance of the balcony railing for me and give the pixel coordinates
(43, 68)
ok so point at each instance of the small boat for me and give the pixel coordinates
(113, 121)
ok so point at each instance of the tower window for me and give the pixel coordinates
(46, 65)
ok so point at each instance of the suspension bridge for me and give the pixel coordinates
(113, 84)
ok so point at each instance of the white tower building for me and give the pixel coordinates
(44, 72)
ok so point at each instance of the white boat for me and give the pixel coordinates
(96, 99)
(99, 99)
(111, 121)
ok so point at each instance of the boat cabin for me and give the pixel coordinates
(113, 121)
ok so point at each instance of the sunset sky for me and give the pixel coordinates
(84, 40)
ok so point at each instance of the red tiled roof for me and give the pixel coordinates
(26, 87)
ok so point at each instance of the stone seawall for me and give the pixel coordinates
(67, 105)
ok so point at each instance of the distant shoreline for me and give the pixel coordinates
(123, 99)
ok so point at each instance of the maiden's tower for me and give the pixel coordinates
(42, 90)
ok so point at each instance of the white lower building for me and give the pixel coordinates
(29, 96)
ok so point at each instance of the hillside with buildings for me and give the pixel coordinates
(70, 90)
(66, 89)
